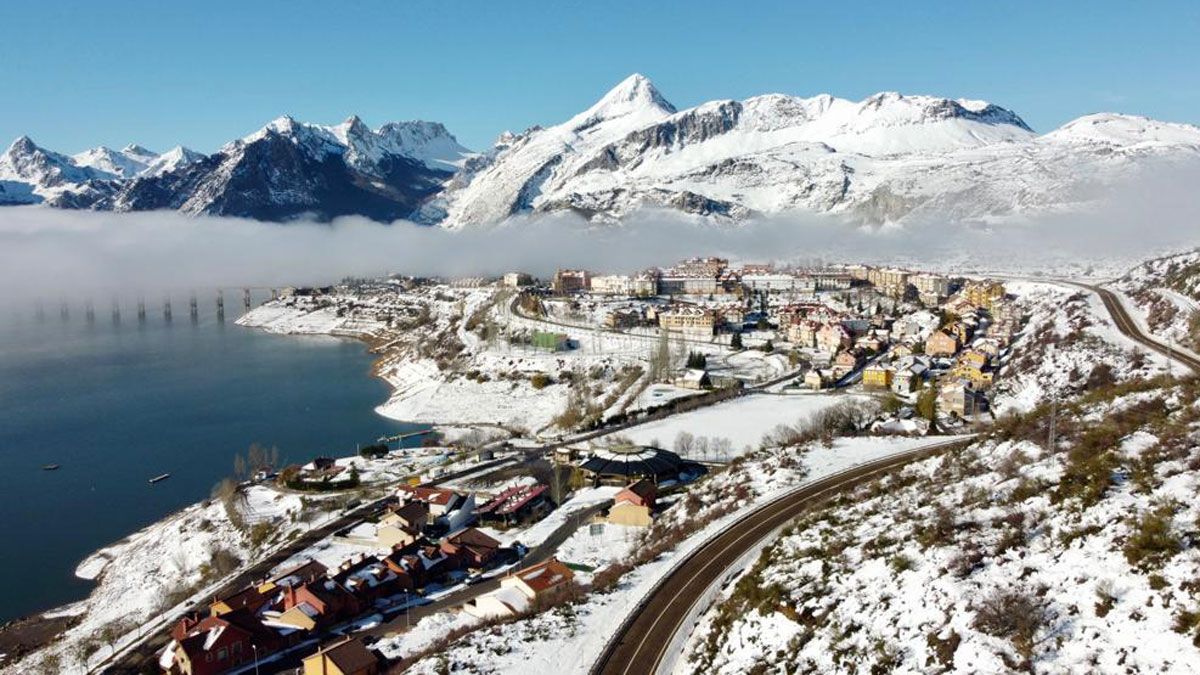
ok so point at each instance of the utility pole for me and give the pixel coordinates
(1170, 359)
(1051, 440)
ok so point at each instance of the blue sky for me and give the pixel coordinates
(74, 75)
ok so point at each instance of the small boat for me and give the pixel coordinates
(159, 478)
(50, 467)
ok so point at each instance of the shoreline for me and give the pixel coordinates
(27, 634)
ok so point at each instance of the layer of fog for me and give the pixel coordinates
(53, 253)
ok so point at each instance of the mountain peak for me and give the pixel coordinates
(135, 149)
(635, 94)
(23, 144)
(354, 125)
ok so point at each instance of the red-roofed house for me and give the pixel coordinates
(217, 644)
(515, 504)
(632, 505)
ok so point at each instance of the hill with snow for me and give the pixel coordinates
(885, 158)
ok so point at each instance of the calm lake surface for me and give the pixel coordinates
(115, 405)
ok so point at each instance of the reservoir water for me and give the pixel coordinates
(117, 404)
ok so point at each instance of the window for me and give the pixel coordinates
(222, 654)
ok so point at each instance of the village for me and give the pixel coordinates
(918, 351)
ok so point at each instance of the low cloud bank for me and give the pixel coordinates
(49, 253)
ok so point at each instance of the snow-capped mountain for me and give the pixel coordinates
(289, 169)
(126, 163)
(172, 160)
(885, 158)
(284, 170)
(888, 158)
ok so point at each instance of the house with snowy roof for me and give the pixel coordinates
(542, 583)
(515, 504)
(218, 644)
(327, 601)
(294, 576)
(447, 508)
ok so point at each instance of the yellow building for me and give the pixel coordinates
(688, 320)
(980, 379)
(877, 377)
(982, 293)
(348, 656)
(633, 505)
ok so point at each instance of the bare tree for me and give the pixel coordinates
(683, 443)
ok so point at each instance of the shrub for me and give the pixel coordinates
(374, 451)
(1017, 616)
(1106, 599)
(1151, 542)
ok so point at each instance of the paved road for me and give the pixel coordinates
(644, 640)
(1133, 331)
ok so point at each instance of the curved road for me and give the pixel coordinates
(645, 639)
(1130, 328)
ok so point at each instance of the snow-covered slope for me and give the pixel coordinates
(172, 160)
(884, 158)
(31, 174)
(126, 163)
(289, 169)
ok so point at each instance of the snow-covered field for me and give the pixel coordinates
(743, 420)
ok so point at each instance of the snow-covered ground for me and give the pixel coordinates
(993, 560)
(743, 421)
(1163, 297)
(1068, 333)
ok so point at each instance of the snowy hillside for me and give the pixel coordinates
(130, 161)
(1163, 294)
(1011, 555)
(885, 158)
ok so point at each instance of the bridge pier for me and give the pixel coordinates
(193, 309)
(89, 311)
(64, 311)
(246, 299)
(167, 308)
(116, 311)
(141, 310)
(220, 305)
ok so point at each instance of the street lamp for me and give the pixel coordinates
(254, 648)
